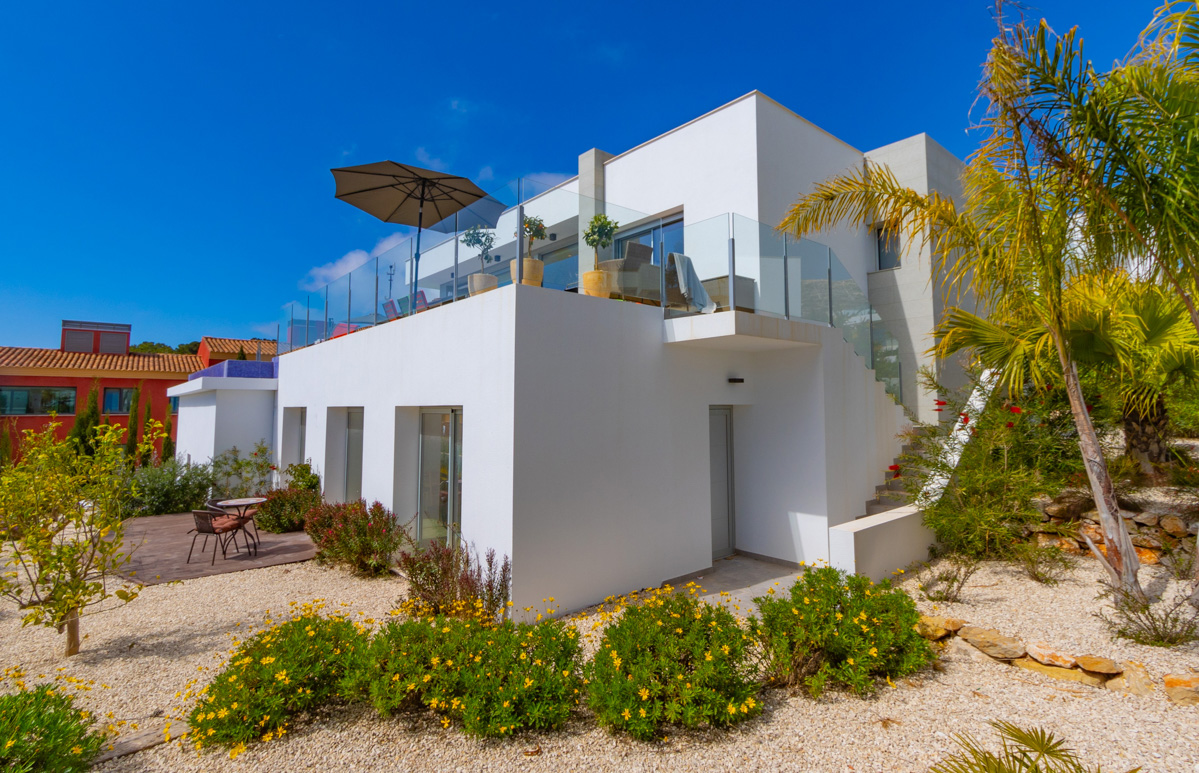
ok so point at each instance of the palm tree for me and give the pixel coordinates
(1134, 331)
(1017, 243)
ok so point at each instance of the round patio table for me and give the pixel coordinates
(242, 504)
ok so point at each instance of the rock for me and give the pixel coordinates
(1146, 556)
(992, 642)
(932, 627)
(1069, 674)
(1092, 531)
(1147, 538)
(1146, 519)
(958, 650)
(1193, 529)
(1182, 689)
(1055, 511)
(1173, 525)
(1134, 680)
(1056, 541)
(1040, 502)
(1130, 502)
(1044, 653)
(1098, 665)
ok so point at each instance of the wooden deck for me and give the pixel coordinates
(159, 545)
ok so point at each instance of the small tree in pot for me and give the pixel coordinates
(481, 239)
(534, 229)
(600, 233)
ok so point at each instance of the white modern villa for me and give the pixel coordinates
(739, 392)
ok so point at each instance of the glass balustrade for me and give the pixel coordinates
(686, 266)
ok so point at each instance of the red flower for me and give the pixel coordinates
(896, 475)
(893, 467)
(940, 402)
(1016, 409)
(1088, 409)
(1010, 425)
(938, 410)
(965, 417)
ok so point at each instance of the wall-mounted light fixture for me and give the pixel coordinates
(735, 380)
(553, 237)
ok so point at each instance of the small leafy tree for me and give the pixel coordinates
(534, 228)
(147, 451)
(62, 536)
(241, 352)
(479, 238)
(6, 444)
(131, 436)
(600, 233)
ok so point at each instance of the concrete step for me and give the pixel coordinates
(892, 484)
(874, 508)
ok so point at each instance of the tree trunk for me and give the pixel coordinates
(1145, 434)
(72, 628)
(1120, 559)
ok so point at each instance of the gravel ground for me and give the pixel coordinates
(175, 628)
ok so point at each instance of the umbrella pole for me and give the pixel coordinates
(420, 218)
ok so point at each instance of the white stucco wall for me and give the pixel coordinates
(217, 414)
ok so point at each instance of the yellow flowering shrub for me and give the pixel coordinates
(40, 729)
(673, 659)
(287, 668)
(838, 628)
(494, 678)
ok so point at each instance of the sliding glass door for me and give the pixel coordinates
(440, 485)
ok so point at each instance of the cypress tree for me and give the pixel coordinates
(83, 433)
(168, 445)
(148, 455)
(131, 437)
(5, 444)
(241, 352)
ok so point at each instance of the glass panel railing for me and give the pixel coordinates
(886, 357)
(697, 281)
(808, 281)
(364, 296)
(337, 307)
(851, 311)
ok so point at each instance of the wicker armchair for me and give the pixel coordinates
(223, 528)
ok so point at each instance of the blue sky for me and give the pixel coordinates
(167, 164)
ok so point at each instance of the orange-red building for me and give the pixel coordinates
(35, 382)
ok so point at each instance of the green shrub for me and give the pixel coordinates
(494, 679)
(1182, 404)
(288, 668)
(672, 659)
(441, 577)
(238, 476)
(1161, 623)
(1045, 564)
(41, 730)
(302, 477)
(363, 538)
(285, 508)
(171, 487)
(840, 629)
(946, 581)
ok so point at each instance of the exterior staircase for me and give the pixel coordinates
(889, 495)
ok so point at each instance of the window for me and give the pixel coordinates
(117, 400)
(888, 249)
(174, 401)
(664, 239)
(34, 401)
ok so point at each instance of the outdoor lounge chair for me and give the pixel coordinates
(223, 527)
(213, 507)
(638, 279)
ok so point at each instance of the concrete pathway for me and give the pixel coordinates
(743, 578)
(159, 545)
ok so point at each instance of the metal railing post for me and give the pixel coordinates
(325, 322)
(520, 230)
(454, 277)
(375, 308)
(732, 266)
(786, 282)
(307, 317)
(830, 285)
(349, 299)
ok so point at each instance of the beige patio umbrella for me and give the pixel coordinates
(399, 193)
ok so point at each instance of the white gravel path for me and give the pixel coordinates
(175, 628)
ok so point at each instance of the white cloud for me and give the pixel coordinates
(545, 180)
(485, 174)
(319, 276)
(427, 159)
(266, 330)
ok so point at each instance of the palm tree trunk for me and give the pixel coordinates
(1120, 560)
(1145, 434)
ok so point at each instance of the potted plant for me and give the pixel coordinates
(600, 233)
(483, 240)
(533, 268)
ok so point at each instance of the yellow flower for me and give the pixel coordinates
(849, 661)
(267, 660)
(644, 693)
(641, 712)
(625, 714)
(732, 709)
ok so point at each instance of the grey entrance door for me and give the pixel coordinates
(720, 440)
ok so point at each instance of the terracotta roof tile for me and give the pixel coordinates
(231, 345)
(32, 358)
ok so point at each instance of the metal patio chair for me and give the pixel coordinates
(223, 528)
